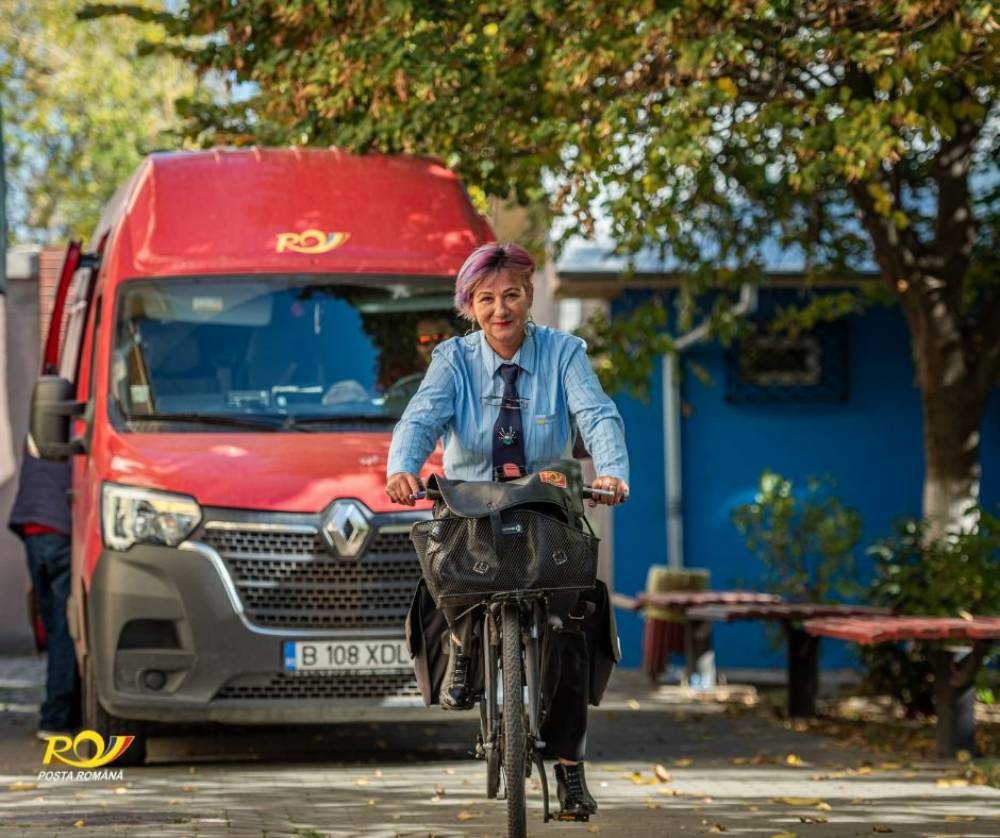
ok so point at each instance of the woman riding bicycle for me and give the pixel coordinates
(505, 400)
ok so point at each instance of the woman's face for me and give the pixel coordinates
(501, 307)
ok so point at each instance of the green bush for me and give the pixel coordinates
(945, 577)
(805, 539)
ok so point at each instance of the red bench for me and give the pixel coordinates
(803, 648)
(694, 636)
(954, 668)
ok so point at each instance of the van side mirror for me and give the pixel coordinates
(52, 408)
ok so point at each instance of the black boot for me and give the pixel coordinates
(455, 691)
(575, 800)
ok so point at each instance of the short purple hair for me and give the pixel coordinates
(486, 262)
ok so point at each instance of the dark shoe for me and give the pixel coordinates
(455, 691)
(575, 800)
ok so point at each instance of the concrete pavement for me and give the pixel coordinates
(730, 771)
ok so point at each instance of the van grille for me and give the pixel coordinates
(287, 579)
(342, 685)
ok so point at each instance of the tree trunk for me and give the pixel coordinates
(952, 417)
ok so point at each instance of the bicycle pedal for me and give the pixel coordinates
(578, 817)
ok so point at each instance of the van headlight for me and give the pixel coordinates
(130, 515)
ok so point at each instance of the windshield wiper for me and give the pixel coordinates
(254, 423)
(344, 418)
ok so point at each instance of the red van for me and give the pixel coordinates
(227, 363)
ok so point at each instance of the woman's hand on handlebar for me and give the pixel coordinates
(609, 484)
(403, 487)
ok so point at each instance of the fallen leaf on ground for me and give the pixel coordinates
(952, 783)
(963, 756)
(823, 806)
(468, 816)
(718, 828)
(121, 790)
(784, 835)
(371, 801)
(794, 759)
(683, 762)
(813, 819)
(189, 788)
(890, 766)
(595, 829)
(633, 704)
(22, 786)
(960, 818)
(797, 801)
(78, 824)
(640, 780)
(740, 760)
(881, 828)
(661, 773)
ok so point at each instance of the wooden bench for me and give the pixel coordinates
(658, 635)
(803, 648)
(954, 668)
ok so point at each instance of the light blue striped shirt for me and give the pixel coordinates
(459, 400)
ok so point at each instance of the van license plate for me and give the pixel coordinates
(335, 655)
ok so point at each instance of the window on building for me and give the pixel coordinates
(769, 368)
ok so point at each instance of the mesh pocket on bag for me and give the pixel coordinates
(534, 552)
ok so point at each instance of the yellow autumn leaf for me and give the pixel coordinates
(22, 786)
(784, 835)
(794, 759)
(468, 816)
(490, 30)
(683, 762)
(952, 783)
(890, 766)
(661, 773)
(633, 704)
(78, 824)
(823, 806)
(963, 756)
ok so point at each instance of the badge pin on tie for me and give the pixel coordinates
(508, 436)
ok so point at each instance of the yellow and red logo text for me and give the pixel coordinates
(310, 241)
(66, 749)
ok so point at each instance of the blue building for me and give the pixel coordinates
(841, 401)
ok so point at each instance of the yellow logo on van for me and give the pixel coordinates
(310, 241)
(57, 746)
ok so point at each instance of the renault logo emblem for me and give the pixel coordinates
(346, 528)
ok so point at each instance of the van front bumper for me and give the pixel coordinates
(177, 613)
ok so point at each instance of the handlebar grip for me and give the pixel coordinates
(428, 494)
(590, 491)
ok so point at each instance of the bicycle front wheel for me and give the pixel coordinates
(514, 744)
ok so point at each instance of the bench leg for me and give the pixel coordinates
(803, 672)
(654, 652)
(954, 698)
(698, 654)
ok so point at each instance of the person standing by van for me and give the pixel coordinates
(41, 518)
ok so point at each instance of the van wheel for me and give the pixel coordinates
(96, 718)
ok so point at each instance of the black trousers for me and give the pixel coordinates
(565, 670)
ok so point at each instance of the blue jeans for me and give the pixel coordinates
(49, 565)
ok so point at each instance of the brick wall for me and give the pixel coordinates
(50, 262)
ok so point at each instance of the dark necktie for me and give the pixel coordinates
(508, 432)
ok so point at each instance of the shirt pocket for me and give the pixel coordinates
(545, 432)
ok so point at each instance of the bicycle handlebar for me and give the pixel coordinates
(588, 492)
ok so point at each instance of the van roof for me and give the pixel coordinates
(237, 211)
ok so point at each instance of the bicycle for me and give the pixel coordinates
(512, 704)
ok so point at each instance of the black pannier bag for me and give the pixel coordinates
(525, 534)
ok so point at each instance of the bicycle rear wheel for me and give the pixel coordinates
(514, 744)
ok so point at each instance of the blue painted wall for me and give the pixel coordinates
(871, 445)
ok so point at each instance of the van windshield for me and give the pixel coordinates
(275, 353)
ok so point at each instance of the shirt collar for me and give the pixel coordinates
(524, 357)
